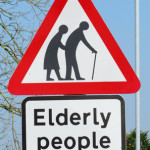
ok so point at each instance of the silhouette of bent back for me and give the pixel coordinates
(71, 47)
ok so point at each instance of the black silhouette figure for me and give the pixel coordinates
(51, 59)
(71, 46)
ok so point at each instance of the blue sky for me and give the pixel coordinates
(120, 19)
(119, 16)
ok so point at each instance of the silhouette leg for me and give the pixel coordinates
(68, 72)
(58, 75)
(48, 76)
(76, 70)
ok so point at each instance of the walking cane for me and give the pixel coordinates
(94, 66)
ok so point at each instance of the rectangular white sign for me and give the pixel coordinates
(73, 122)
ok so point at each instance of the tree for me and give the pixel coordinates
(19, 20)
(131, 140)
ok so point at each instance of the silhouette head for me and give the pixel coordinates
(63, 29)
(84, 25)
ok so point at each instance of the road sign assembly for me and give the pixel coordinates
(73, 122)
(73, 52)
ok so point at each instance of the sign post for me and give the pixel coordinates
(74, 122)
(137, 46)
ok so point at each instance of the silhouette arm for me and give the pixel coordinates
(62, 46)
(88, 45)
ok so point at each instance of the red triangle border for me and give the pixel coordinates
(17, 88)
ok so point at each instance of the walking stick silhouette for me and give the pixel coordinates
(94, 66)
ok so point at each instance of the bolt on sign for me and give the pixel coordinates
(73, 52)
(73, 122)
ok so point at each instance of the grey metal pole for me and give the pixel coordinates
(137, 46)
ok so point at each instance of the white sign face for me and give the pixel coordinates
(73, 122)
(73, 69)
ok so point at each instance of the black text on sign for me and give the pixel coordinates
(73, 122)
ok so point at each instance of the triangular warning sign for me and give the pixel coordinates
(73, 52)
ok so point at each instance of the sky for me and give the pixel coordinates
(119, 16)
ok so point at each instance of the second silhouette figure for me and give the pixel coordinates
(72, 43)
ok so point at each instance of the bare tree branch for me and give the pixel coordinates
(19, 21)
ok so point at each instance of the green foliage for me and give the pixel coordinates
(131, 140)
